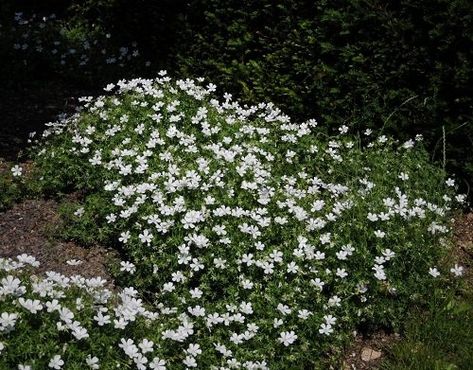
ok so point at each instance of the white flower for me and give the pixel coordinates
(128, 267)
(388, 254)
(219, 263)
(196, 293)
(193, 350)
(73, 262)
(382, 139)
(146, 236)
(140, 361)
(292, 268)
(65, 315)
(318, 283)
(334, 301)
(237, 338)
(17, 171)
(92, 362)
(408, 144)
(287, 337)
(460, 198)
(157, 364)
(379, 260)
(457, 270)
(325, 329)
(11, 285)
(196, 311)
(56, 362)
(78, 332)
(450, 182)
(146, 345)
(31, 305)
(330, 320)
(434, 272)
(2, 347)
(190, 361)
(379, 234)
(341, 273)
(304, 314)
(129, 347)
(247, 284)
(79, 212)
(404, 176)
(124, 237)
(379, 272)
(285, 310)
(102, 319)
(373, 217)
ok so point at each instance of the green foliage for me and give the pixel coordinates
(404, 67)
(10, 191)
(86, 43)
(438, 338)
(16, 182)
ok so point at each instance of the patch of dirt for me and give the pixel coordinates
(367, 352)
(463, 239)
(23, 229)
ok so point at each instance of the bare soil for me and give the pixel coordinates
(378, 342)
(26, 228)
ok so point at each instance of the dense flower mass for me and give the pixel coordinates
(261, 242)
(83, 312)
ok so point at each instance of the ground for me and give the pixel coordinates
(29, 228)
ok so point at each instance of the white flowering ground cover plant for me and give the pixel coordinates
(47, 322)
(260, 243)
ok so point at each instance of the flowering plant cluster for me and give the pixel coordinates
(55, 321)
(261, 243)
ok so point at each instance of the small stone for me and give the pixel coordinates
(368, 354)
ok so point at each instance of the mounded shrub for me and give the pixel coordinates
(262, 243)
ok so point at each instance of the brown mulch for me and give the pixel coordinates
(379, 342)
(26, 229)
(463, 238)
